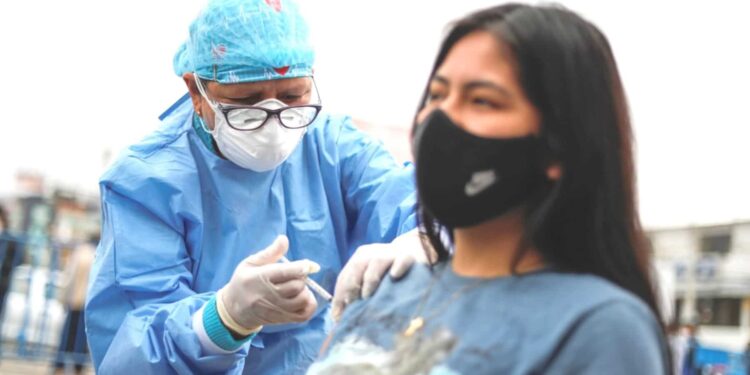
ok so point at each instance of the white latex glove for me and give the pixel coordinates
(364, 270)
(263, 291)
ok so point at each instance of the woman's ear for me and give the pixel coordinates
(554, 171)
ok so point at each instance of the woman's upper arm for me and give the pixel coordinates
(615, 338)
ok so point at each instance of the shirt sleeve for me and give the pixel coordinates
(379, 193)
(140, 307)
(616, 338)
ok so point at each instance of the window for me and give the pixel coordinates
(707, 267)
(719, 311)
(680, 270)
(716, 243)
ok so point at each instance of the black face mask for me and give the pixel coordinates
(464, 180)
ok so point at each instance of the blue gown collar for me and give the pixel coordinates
(204, 136)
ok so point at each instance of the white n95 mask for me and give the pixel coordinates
(264, 143)
(261, 149)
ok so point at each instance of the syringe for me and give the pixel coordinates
(313, 285)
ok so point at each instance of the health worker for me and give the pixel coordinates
(244, 172)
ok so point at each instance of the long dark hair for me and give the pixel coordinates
(586, 222)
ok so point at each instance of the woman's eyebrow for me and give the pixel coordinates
(488, 85)
(477, 84)
(441, 79)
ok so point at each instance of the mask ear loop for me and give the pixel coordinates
(317, 93)
(210, 102)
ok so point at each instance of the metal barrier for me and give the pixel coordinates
(34, 323)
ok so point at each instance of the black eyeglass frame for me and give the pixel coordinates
(269, 112)
(225, 109)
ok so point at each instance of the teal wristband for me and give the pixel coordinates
(217, 331)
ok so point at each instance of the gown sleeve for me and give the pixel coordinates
(140, 305)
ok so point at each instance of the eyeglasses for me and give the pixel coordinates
(252, 118)
(248, 117)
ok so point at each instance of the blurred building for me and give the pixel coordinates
(710, 271)
(47, 220)
(38, 208)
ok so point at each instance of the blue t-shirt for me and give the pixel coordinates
(544, 322)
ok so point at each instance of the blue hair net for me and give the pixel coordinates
(235, 41)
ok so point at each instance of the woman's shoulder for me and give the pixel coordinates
(588, 291)
(412, 282)
(392, 293)
(619, 337)
(578, 292)
(601, 303)
(403, 289)
(591, 315)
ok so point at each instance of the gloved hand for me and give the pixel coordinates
(263, 291)
(364, 270)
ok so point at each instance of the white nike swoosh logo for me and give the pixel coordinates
(479, 182)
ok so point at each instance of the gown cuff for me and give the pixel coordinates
(214, 337)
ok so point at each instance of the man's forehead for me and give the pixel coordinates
(275, 84)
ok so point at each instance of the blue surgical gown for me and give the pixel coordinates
(177, 219)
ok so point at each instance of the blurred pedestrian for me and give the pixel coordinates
(689, 363)
(73, 347)
(678, 344)
(10, 257)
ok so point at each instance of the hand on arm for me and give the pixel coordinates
(364, 271)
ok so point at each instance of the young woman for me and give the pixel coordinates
(525, 168)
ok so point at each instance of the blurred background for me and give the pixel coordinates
(85, 79)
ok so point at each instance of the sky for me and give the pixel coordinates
(86, 78)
